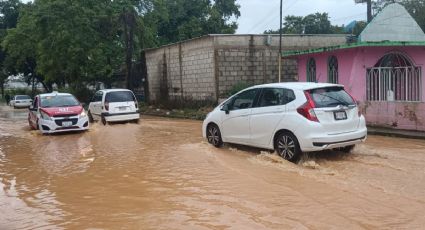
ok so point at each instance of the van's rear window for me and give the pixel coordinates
(119, 96)
(331, 97)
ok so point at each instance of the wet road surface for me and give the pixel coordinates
(161, 174)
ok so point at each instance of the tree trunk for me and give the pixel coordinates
(129, 24)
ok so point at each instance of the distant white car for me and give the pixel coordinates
(288, 117)
(21, 101)
(112, 105)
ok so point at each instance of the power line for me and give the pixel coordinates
(271, 17)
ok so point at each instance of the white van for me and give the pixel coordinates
(111, 105)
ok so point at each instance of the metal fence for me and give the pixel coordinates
(394, 84)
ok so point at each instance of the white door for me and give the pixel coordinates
(96, 105)
(235, 122)
(270, 111)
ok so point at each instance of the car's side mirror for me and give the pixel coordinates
(225, 108)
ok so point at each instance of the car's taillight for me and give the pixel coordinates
(136, 104)
(107, 106)
(359, 113)
(307, 109)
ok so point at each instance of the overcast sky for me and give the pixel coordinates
(260, 15)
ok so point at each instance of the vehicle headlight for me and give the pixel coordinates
(83, 114)
(45, 116)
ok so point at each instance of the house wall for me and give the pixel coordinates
(206, 68)
(352, 64)
(183, 70)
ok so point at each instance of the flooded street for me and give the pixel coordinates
(161, 174)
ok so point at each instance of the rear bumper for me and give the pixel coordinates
(334, 141)
(22, 105)
(111, 117)
(48, 126)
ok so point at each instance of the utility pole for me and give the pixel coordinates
(369, 10)
(280, 43)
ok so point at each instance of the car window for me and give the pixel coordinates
(23, 97)
(244, 100)
(119, 96)
(331, 97)
(275, 97)
(58, 101)
(98, 96)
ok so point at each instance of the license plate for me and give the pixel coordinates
(340, 115)
(124, 108)
(66, 123)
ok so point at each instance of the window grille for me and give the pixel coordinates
(333, 70)
(394, 78)
(311, 70)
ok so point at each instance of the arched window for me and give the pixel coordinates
(394, 78)
(332, 70)
(311, 70)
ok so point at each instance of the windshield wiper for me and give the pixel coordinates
(344, 103)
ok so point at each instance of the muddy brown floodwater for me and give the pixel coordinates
(161, 174)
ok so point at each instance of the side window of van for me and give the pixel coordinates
(275, 97)
(98, 97)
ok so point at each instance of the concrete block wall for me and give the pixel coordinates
(182, 71)
(206, 68)
(254, 59)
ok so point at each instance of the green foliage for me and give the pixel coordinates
(184, 19)
(238, 87)
(81, 42)
(317, 23)
(83, 94)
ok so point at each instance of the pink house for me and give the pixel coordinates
(383, 71)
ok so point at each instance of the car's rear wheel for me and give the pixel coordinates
(287, 146)
(347, 149)
(214, 135)
(103, 119)
(91, 120)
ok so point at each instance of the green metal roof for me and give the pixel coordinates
(349, 46)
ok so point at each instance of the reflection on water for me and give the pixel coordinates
(162, 175)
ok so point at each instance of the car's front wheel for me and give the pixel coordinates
(214, 135)
(91, 120)
(287, 146)
(103, 120)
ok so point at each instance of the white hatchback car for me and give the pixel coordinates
(21, 101)
(111, 105)
(288, 117)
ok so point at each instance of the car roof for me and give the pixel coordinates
(52, 94)
(114, 90)
(297, 85)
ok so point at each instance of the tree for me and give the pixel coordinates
(9, 13)
(184, 19)
(317, 23)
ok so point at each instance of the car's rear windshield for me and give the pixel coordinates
(119, 96)
(23, 97)
(59, 101)
(331, 97)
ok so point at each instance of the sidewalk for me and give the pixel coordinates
(373, 130)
